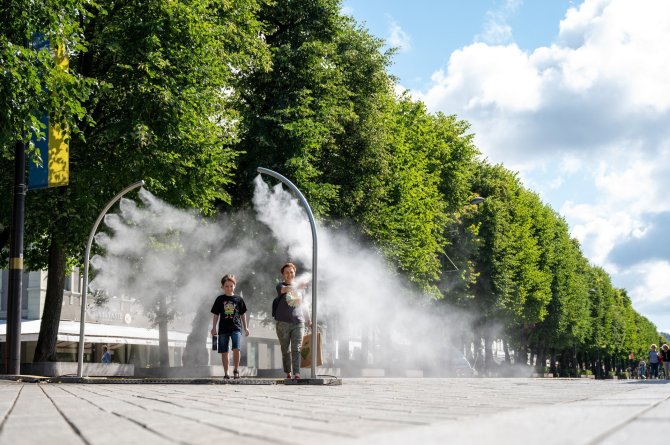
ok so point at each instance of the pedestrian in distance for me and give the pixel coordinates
(642, 369)
(631, 364)
(106, 356)
(230, 316)
(653, 362)
(665, 357)
(291, 315)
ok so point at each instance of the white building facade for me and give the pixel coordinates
(121, 326)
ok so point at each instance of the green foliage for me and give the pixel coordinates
(325, 115)
(30, 80)
(315, 114)
(568, 319)
(32, 83)
(430, 161)
(193, 96)
(164, 114)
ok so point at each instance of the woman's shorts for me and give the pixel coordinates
(224, 340)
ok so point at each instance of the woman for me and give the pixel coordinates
(653, 363)
(291, 314)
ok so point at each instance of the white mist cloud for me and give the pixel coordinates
(154, 251)
(358, 290)
(157, 251)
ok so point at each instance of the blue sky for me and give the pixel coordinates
(573, 95)
(434, 28)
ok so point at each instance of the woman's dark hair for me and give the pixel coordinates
(228, 277)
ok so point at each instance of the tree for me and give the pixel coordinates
(166, 114)
(295, 108)
(32, 81)
(430, 161)
(568, 322)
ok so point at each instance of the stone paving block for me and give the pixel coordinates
(160, 423)
(550, 425)
(35, 420)
(227, 420)
(97, 425)
(638, 430)
(660, 412)
(361, 411)
(8, 396)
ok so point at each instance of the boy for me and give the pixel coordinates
(231, 314)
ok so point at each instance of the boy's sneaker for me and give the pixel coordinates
(288, 375)
(297, 377)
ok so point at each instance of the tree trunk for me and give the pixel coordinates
(46, 342)
(541, 357)
(488, 355)
(163, 351)
(471, 350)
(594, 365)
(552, 365)
(195, 351)
(508, 358)
(521, 356)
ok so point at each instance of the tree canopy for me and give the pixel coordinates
(192, 96)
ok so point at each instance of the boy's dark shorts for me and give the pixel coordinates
(224, 340)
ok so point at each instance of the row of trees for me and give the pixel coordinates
(529, 278)
(192, 96)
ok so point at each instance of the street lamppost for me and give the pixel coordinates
(312, 224)
(84, 287)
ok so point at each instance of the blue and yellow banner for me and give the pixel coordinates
(54, 170)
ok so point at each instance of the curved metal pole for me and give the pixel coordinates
(308, 209)
(84, 287)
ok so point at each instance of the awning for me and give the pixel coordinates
(97, 333)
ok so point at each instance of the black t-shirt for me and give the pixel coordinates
(288, 306)
(230, 311)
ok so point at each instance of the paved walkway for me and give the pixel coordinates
(360, 411)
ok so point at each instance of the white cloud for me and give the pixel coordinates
(485, 79)
(496, 29)
(598, 229)
(623, 45)
(627, 187)
(587, 117)
(632, 186)
(613, 86)
(571, 164)
(397, 37)
(655, 283)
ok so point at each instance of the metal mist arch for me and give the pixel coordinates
(308, 209)
(84, 287)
